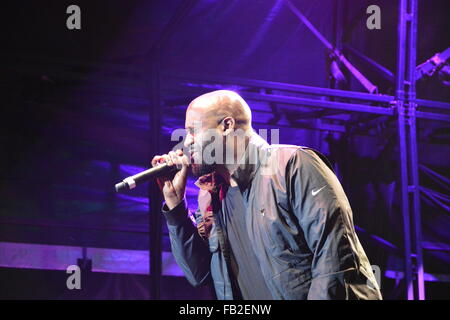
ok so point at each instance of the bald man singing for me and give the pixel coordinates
(273, 221)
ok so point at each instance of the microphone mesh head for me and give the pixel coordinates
(121, 186)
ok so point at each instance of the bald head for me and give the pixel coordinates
(217, 124)
(217, 105)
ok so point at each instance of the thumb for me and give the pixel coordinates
(185, 166)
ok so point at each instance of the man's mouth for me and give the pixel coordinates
(193, 154)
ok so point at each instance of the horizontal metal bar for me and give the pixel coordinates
(377, 240)
(317, 91)
(45, 224)
(429, 277)
(319, 103)
(56, 257)
(433, 104)
(433, 116)
(287, 87)
(329, 104)
(435, 246)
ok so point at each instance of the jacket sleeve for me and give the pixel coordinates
(189, 249)
(324, 215)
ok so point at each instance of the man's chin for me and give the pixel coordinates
(199, 170)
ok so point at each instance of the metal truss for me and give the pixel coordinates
(404, 107)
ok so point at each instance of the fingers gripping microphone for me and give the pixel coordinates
(147, 175)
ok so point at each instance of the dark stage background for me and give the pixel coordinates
(76, 118)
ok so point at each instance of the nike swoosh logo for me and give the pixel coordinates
(314, 192)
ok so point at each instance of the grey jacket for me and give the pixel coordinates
(299, 222)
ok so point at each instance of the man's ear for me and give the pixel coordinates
(228, 125)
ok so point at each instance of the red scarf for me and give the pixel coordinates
(213, 190)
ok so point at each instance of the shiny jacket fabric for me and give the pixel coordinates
(299, 222)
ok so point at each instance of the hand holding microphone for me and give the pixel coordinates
(170, 171)
(173, 186)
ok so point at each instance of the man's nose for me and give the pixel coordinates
(188, 141)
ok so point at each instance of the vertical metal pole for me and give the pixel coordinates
(155, 118)
(155, 243)
(413, 149)
(400, 97)
(336, 40)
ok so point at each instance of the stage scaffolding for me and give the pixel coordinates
(404, 107)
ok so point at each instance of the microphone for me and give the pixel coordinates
(147, 175)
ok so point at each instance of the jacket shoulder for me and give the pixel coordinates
(282, 151)
(276, 157)
(283, 155)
